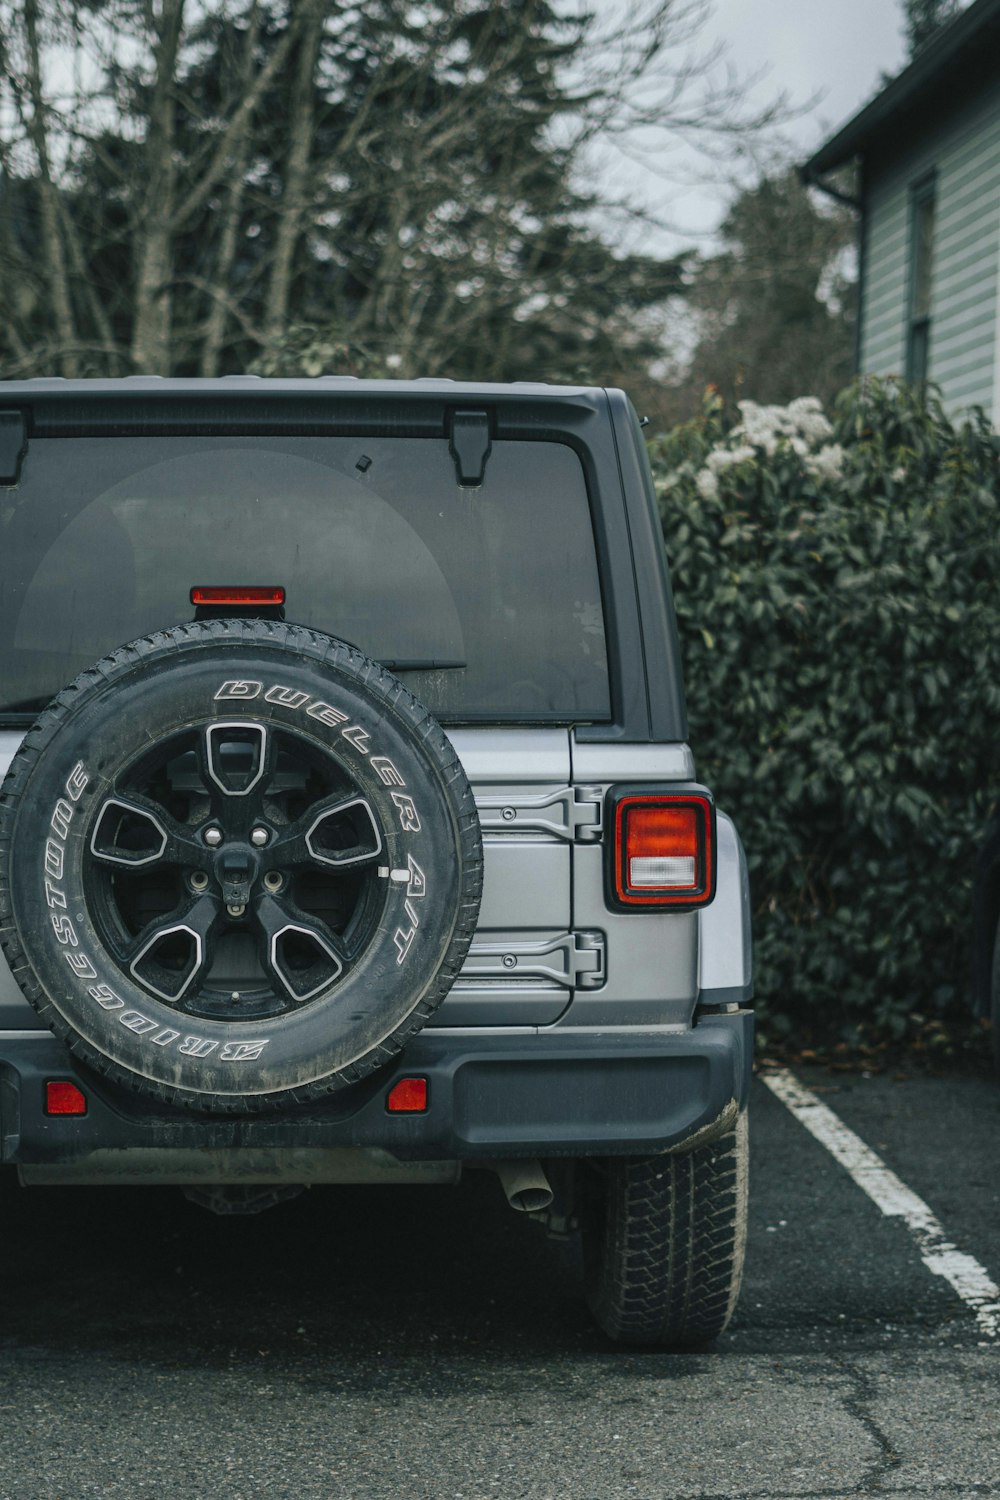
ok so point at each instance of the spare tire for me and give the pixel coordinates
(239, 865)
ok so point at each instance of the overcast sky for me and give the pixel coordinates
(834, 48)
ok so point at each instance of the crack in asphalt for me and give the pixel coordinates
(858, 1403)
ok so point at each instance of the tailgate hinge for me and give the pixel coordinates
(573, 959)
(572, 813)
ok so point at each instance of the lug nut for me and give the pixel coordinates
(199, 880)
(213, 837)
(259, 836)
(236, 909)
(273, 881)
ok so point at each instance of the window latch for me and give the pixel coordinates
(470, 445)
(13, 445)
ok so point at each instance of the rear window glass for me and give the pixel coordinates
(372, 539)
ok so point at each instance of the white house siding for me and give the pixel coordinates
(886, 251)
(963, 149)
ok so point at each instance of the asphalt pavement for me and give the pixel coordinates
(421, 1344)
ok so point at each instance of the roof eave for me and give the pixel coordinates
(924, 72)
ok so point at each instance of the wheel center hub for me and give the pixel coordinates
(236, 869)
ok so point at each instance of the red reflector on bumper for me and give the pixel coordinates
(64, 1098)
(407, 1097)
(236, 594)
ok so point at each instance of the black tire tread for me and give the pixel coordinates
(665, 1257)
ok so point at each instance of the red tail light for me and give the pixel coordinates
(236, 594)
(663, 849)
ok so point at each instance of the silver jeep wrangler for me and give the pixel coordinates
(349, 832)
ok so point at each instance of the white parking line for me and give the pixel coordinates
(969, 1279)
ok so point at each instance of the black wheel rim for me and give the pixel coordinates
(236, 871)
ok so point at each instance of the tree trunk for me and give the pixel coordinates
(218, 312)
(55, 259)
(151, 330)
(301, 129)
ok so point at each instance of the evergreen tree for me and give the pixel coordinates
(774, 308)
(458, 241)
(363, 185)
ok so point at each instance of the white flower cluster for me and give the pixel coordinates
(800, 422)
(722, 458)
(800, 426)
(828, 463)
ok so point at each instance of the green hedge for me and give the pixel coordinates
(838, 593)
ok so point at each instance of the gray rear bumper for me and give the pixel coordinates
(579, 1093)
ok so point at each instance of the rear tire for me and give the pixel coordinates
(663, 1243)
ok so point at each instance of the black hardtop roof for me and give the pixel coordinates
(167, 384)
(327, 403)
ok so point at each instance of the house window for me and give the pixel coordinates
(923, 201)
